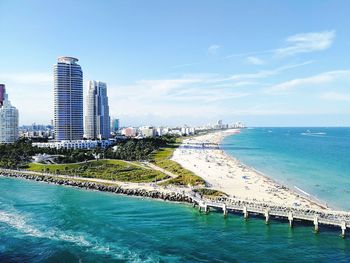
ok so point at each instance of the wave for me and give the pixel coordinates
(314, 134)
(90, 243)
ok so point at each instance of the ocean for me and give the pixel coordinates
(315, 160)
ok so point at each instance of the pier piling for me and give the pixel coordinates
(204, 206)
(245, 212)
(290, 219)
(343, 229)
(206, 209)
(224, 210)
(267, 216)
(316, 224)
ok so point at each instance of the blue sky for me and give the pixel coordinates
(266, 63)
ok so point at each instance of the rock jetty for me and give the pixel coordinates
(156, 194)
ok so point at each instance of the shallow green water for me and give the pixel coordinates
(48, 223)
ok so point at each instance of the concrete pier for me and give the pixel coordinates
(270, 211)
(245, 212)
(290, 219)
(203, 206)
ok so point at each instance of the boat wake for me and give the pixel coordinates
(84, 241)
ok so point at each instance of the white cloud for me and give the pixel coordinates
(255, 60)
(335, 96)
(164, 86)
(252, 53)
(196, 90)
(307, 42)
(189, 95)
(295, 44)
(31, 93)
(266, 73)
(213, 49)
(319, 79)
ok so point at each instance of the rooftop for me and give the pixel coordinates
(70, 60)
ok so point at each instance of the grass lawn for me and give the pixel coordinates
(210, 192)
(103, 169)
(185, 177)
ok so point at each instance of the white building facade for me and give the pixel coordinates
(97, 119)
(68, 99)
(77, 144)
(147, 131)
(8, 122)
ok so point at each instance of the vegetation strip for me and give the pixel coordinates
(115, 170)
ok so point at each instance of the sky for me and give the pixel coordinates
(265, 63)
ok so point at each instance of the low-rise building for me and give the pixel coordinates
(129, 132)
(76, 144)
(147, 131)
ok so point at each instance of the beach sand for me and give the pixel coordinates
(227, 174)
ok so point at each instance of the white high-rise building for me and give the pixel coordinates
(97, 120)
(8, 121)
(68, 92)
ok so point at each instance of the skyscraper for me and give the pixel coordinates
(8, 119)
(97, 120)
(68, 92)
(2, 94)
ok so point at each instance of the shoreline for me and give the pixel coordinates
(226, 173)
(296, 190)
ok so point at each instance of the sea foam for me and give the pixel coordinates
(91, 244)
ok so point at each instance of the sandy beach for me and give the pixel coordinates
(227, 174)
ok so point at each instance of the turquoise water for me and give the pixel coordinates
(48, 223)
(316, 160)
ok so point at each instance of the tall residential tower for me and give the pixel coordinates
(97, 120)
(68, 92)
(8, 119)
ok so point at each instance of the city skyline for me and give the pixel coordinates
(232, 61)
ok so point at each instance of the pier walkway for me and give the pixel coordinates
(316, 217)
(197, 145)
